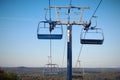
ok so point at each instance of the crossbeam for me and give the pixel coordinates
(73, 23)
(70, 23)
(78, 7)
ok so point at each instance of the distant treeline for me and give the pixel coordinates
(29, 73)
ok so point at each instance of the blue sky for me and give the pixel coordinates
(19, 45)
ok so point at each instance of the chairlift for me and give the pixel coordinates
(92, 36)
(49, 30)
(51, 70)
(78, 72)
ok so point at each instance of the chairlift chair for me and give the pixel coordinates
(77, 75)
(78, 72)
(95, 33)
(51, 70)
(44, 31)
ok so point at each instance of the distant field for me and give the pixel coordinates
(29, 73)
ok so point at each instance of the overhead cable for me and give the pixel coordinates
(96, 9)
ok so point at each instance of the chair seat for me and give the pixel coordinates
(49, 36)
(91, 41)
(77, 76)
(51, 73)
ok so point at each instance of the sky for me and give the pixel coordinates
(19, 45)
